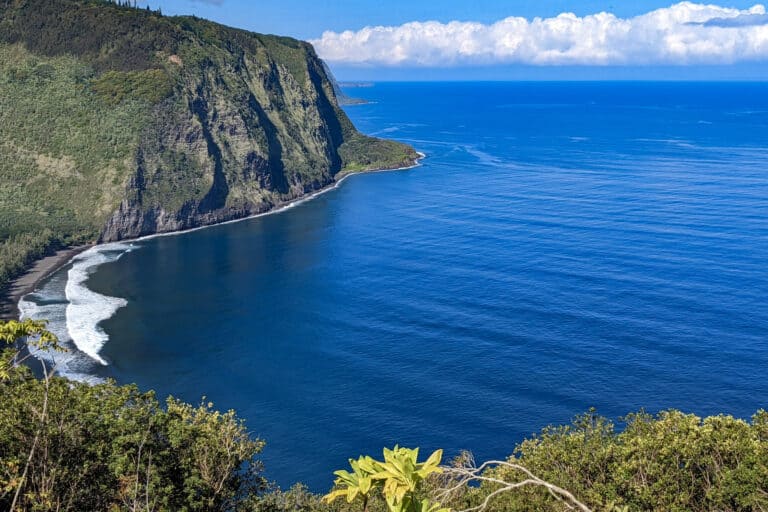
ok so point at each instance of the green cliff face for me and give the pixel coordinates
(118, 122)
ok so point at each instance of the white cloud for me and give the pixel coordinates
(685, 33)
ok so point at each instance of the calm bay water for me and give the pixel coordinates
(563, 246)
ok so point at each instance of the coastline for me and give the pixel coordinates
(288, 204)
(42, 268)
(35, 273)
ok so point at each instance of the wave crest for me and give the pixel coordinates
(86, 309)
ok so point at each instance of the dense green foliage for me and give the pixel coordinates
(18, 251)
(361, 153)
(668, 462)
(107, 35)
(75, 447)
(152, 86)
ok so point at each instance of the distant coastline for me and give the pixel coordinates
(39, 270)
(352, 85)
(345, 99)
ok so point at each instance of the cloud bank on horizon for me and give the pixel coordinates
(684, 34)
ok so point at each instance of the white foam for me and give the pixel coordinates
(30, 309)
(49, 303)
(86, 308)
(384, 131)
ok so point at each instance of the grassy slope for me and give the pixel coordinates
(64, 149)
(65, 154)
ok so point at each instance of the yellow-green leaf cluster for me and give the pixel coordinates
(397, 478)
(358, 482)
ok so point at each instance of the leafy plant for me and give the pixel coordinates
(359, 482)
(397, 478)
(402, 474)
(31, 330)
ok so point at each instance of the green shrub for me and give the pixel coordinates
(74, 447)
(152, 86)
(668, 462)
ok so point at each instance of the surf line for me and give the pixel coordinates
(86, 309)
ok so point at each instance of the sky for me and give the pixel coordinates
(512, 39)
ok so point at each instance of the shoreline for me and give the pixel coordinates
(283, 206)
(37, 271)
(40, 269)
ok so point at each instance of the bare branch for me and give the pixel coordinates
(468, 472)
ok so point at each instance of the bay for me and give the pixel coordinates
(563, 246)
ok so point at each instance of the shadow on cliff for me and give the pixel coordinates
(216, 197)
(274, 148)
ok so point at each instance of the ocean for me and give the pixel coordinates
(562, 246)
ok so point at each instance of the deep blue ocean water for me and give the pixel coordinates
(563, 246)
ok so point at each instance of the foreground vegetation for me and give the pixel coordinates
(72, 447)
(68, 446)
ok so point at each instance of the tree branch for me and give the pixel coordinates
(468, 473)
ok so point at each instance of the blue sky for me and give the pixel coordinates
(308, 19)
(484, 39)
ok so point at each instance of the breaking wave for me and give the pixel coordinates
(74, 313)
(86, 309)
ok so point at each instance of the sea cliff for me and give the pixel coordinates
(118, 122)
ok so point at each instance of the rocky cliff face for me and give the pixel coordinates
(245, 131)
(227, 123)
(241, 135)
